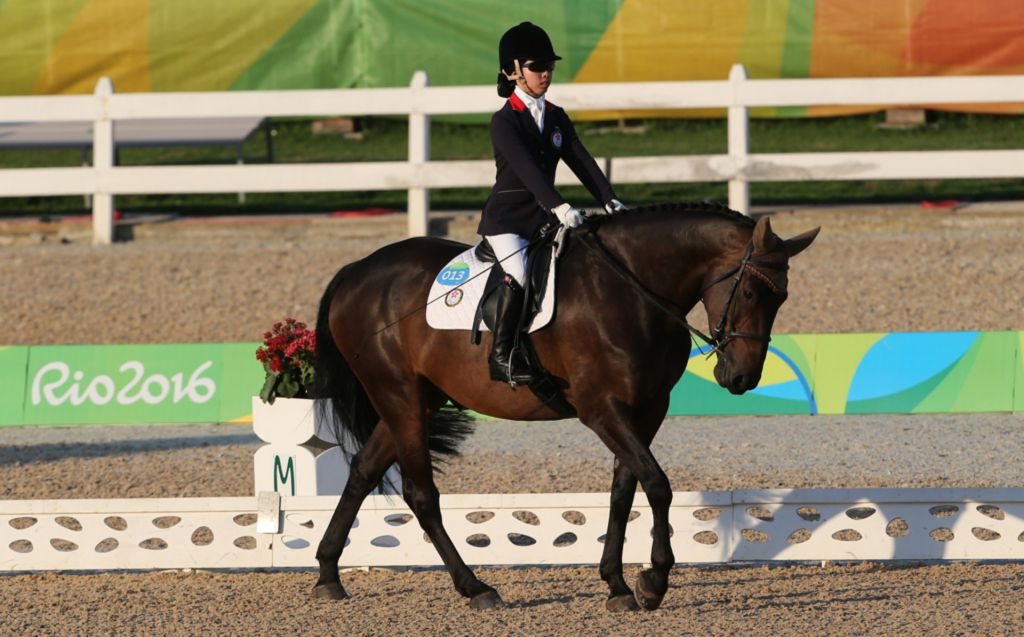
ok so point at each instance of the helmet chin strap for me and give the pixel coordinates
(518, 77)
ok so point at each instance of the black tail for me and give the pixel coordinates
(352, 415)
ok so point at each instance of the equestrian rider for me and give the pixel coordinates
(529, 135)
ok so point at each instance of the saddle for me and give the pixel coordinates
(540, 258)
(461, 298)
(538, 266)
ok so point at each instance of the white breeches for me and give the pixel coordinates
(510, 251)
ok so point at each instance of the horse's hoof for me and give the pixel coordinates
(645, 594)
(330, 590)
(486, 600)
(622, 603)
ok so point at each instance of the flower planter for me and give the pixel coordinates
(302, 456)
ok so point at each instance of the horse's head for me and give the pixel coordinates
(742, 294)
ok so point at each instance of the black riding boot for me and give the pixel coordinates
(506, 363)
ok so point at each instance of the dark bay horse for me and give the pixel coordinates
(618, 345)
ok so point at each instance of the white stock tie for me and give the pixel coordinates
(537, 110)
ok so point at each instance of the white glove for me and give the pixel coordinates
(614, 207)
(569, 216)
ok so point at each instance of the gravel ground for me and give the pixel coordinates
(872, 269)
(697, 453)
(867, 599)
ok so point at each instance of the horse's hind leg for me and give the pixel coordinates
(423, 498)
(406, 412)
(367, 469)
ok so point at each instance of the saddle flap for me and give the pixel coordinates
(457, 290)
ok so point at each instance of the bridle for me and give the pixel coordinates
(719, 338)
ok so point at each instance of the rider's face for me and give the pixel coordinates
(536, 83)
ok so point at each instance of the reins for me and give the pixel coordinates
(592, 243)
(719, 337)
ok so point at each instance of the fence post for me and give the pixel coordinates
(419, 154)
(102, 161)
(739, 189)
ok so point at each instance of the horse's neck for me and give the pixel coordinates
(674, 254)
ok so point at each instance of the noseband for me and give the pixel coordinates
(719, 337)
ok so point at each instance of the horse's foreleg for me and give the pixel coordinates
(367, 469)
(619, 433)
(424, 499)
(620, 597)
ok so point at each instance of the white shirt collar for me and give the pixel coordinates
(536, 106)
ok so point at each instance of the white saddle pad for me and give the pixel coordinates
(457, 289)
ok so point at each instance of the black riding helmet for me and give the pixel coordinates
(525, 41)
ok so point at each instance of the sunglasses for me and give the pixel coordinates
(540, 67)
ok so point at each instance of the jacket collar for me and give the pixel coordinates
(518, 105)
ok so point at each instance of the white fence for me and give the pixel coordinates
(103, 180)
(739, 526)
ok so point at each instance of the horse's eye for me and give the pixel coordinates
(747, 294)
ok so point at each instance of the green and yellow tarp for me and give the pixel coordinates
(64, 46)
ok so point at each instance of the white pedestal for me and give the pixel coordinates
(291, 421)
(294, 462)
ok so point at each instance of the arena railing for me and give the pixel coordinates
(103, 180)
(801, 525)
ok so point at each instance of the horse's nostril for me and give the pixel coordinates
(739, 382)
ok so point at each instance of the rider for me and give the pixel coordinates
(529, 136)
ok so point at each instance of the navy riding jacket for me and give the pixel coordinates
(524, 187)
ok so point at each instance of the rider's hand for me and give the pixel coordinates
(569, 216)
(614, 207)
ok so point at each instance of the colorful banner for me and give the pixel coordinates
(787, 383)
(906, 373)
(64, 46)
(934, 372)
(922, 372)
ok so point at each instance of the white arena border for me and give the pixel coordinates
(514, 529)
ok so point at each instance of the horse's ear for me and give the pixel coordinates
(797, 244)
(764, 239)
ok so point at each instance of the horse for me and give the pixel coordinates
(617, 346)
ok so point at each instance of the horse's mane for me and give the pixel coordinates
(691, 207)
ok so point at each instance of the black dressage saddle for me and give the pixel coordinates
(539, 261)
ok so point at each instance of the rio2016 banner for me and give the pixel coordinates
(128, 383)
(63, 46)
(803, 374)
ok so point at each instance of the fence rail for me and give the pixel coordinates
(507, 529)
(419, 101)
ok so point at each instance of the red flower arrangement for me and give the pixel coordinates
(287, 355)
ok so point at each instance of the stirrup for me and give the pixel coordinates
(508, 372)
